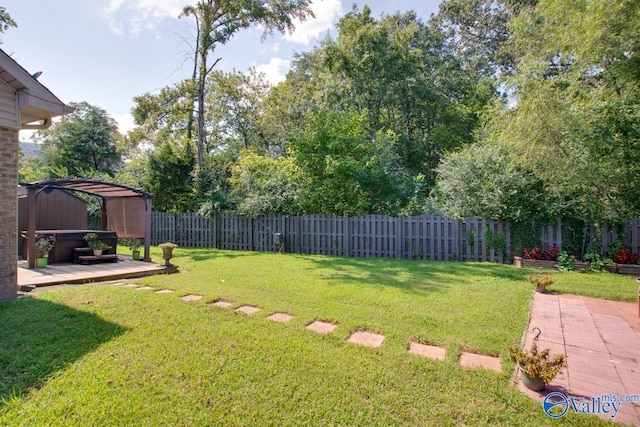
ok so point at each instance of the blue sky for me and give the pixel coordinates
(106, 52)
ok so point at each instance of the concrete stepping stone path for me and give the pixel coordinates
(280, 317)
(428, 351)
(367, 339)
(222, 304)
(321, 327)
(247, 309)
(472, 360)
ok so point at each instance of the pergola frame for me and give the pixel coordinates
(104, 190)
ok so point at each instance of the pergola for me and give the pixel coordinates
(125, 210)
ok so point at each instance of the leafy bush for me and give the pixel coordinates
(565, 261)
(549, 254)
(624, 256)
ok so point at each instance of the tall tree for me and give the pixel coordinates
(81, 143)
(170, 177)
(342, 169)
(478, 32)
(399, 73)
(217, 21)
(263, 185)
(573, 123)
(235, 104)
(6, 21)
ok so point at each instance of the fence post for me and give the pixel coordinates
(347, 236)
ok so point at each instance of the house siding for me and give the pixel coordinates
(9, 113)
(9, 146)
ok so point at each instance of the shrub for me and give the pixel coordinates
(549, 254)
(624, 256)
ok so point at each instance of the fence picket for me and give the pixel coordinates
(419, 237)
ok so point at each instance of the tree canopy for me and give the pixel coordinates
(513, 109)
(82, 143)
(573, 120)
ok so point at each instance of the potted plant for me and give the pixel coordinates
(537, 368)
(167, 251)
(43, 247)
(541, 281)
(90, 238)
(98, 247)
(133, 244)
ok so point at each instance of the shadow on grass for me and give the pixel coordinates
(39, 337)
(205, 254)
(418, 277)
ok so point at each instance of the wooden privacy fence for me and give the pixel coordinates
(419, 237)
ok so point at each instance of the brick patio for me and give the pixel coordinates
(601, 340)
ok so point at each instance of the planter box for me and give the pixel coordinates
(578, 265)
(633, 269)
(534, 263)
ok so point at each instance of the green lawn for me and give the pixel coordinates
(605, 285)
(106, 355)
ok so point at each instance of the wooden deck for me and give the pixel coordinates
(59, 273)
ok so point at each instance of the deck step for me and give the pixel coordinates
(88, 259)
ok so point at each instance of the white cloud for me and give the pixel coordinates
(131, 16)
(276, 70)
(125, 123)
(326, 11)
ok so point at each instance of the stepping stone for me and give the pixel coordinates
(131, 285)
(428, 351)
(191, 297)
(165, 291)
(472, 360)
(222, 304)
(280, 317)
(367, 339)
(247, 309)
(321, 327)
(144, 288)
(116, 284)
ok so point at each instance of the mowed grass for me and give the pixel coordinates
(617, 287)
(108, 355)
